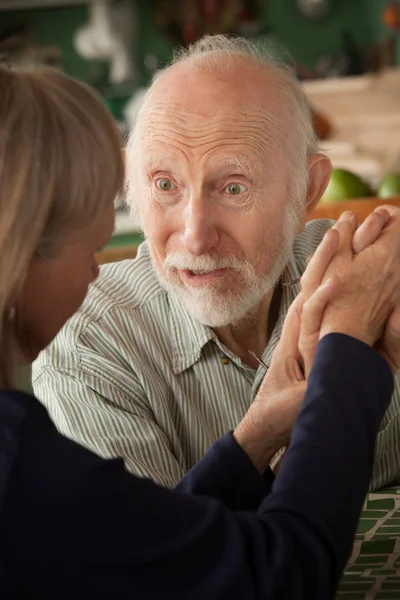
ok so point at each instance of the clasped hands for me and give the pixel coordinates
(351, 286)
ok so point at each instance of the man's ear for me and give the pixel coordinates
(123, 152)
(319, 174)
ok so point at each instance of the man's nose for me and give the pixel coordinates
(200, 234)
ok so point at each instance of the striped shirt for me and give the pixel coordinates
(132, 374)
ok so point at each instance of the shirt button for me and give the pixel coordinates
(225, 360)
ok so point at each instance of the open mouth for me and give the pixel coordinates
(199, 272)
(202, 274)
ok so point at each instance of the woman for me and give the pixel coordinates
(75, 525)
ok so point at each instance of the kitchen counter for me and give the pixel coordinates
(364, 113)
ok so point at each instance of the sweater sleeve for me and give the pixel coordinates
(226, 473)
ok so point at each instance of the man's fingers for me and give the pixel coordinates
(293, 369)
(311, 319)
(289, 341)
(370, 229)
(319, 262)
(346, 225)
(394, 211)
(330, 246)
(313, 309)
(283, 370)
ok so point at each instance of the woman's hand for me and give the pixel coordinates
(367, 305)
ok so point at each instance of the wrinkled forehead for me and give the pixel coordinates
(236, 132)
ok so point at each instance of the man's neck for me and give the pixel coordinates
(250, 333)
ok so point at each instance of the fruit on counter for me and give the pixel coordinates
(389, 186)
(344, 185)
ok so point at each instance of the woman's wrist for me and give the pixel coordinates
(347, 327)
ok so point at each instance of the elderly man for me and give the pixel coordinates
(163, 357)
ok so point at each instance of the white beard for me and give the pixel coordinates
(217, 307)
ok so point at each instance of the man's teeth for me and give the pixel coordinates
(199, 272)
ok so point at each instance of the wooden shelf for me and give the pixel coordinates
(362, 207)
(116, 254)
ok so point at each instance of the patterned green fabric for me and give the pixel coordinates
(133, 374)
(373, 572)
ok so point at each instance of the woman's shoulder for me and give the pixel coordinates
(22, 422)
(38, 451)
(35, 454)
(15, 408)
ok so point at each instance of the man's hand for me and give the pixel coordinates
(371, 228)
(267, 425)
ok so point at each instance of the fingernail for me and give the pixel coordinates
(346, 215)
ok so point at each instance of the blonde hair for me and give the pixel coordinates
(60, 164)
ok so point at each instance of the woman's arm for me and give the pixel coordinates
(76, 524)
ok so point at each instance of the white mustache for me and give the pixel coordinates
(179, 261)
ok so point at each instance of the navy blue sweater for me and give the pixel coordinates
(73, 525)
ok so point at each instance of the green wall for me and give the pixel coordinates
(304, 39)
(54, 27)
(378, 29)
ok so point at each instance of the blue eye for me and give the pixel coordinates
(235, 189)
(165, 184)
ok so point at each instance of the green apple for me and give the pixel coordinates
(344, 185)
(389, 186)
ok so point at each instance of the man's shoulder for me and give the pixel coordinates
(126, 284)
(309, 239)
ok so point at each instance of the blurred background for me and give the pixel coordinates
(346, 52)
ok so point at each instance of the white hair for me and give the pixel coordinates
(222, 53)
